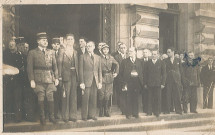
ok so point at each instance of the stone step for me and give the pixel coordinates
(148, 126)
(114, 120)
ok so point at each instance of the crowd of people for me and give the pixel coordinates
(55, 82)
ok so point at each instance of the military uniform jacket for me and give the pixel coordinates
(107, 65)
(42, 68)
(90, 69)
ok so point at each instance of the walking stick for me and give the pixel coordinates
(208, 93)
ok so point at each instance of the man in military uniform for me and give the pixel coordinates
(110, 69)
(43, 75)
(14, 96)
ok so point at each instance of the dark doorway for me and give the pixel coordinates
(167, 31)
(58, 20)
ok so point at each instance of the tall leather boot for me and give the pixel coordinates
(42, 113)
(51, 112)
(107, 109)
(101, 108)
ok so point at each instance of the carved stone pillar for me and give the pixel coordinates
(10, 23)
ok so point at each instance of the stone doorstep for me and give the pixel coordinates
(147, 126)
(114, 120)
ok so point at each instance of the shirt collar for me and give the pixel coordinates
(41, 48)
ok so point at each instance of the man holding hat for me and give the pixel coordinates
(43, 75)
(110, 69)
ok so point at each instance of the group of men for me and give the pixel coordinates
(66, 75)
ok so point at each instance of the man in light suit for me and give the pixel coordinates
(90, 81)
(68, 73)
(131, 74)
(43, 75)
(155, 81)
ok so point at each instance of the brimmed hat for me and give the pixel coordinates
(41, 35)
(20, 40)
(105, 46)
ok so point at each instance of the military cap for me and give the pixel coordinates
(20, 40)
(42, 35)
(105, 46)
(55, 40)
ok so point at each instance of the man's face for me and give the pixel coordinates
(145, 53)
(12, 45)
(26, 48)
(131, 52)
(177, 56)
(90, 47)
(182, 56)
(56, 46)
(170, 53)
(154, 55)
(123, 48)
(100, 46)
(20, 48)
(43, 42)
(70, 40)
(82, 43)
(105, 51)
(210, 61)
(191, 55)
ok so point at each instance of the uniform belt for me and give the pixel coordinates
(106, 71)
(72, 68)
(43, 68)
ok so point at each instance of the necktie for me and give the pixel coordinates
(92, 57)
(43, 51)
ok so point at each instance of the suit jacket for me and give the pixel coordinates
(207, 76)
(79, 52)
(173, 70)
(90, 69)
(65, 64)
(42, 68)
(107, 65)
(190, 76)
(155, 73)
(127, 67)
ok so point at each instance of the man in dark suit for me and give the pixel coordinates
(91, 80)
(119, 95)
(145, 89)
(80, 50)
(155, 81)
(43, 75)
(118, 49)
(173, 82)
(191, 80)
(58, 93)
(68, 73)
(207, 77)
(131, 74)
(99, 47)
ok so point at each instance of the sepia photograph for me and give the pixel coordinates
(146, 68)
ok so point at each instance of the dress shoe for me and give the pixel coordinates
(136, 116)
(65, 120)
(94, 118)
(84, 119)
(128, 117)
(73, 120)
(180, 113)
(193, 111)
(148, 114)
